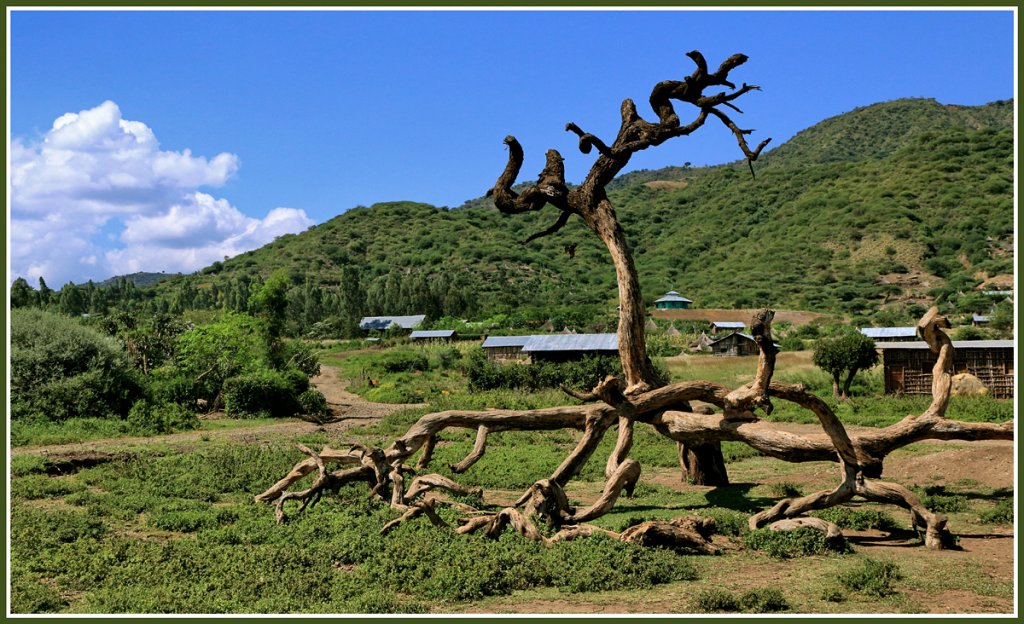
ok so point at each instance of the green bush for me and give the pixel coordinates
(712, 600)
(260, 394)
(61, 369)
(871, 577)
(302, 355)
(1002, 513)
(313, 402)
(800, 542)
(582, 374)
(401, 361)
(170, 385)
(211, 354)
(763, 600)
(857, 519)
(938, 500)
(29, 595)
(147, 418)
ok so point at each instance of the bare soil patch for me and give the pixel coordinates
(796, 317)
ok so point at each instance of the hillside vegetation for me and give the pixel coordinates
(871, 215)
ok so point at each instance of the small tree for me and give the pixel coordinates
(848, 353)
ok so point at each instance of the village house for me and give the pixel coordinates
(433, 334)
(718, 327)
(735, 344)
(890, 334)
(672, 301)
(570, 347)
(549, 347)
(383, 323)
(907, 366)
(506, 348)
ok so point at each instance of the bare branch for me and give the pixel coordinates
(588, 140)
(563, 218)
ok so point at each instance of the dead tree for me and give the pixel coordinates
(636, 398)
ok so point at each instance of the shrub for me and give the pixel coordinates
(61, 369)
(301, 355)
(147, 418)
(833, 594)
(711, 600)
(1002, 513)
(212, 354)
(401, 361)
(800, 542)
(584, 373)
(29, 595)
(871, 577)
(785, 489)
(448, 357)
(169, 385)
(857, 519)
(313, 403)
(261, 393)
(938, 500)
(763, 600)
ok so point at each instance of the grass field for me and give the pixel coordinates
(169, 525)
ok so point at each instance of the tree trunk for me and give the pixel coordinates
(849, 382)
(703, 464)
(836, 392)
(636, 366)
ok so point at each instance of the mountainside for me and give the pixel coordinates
(137, 279)
(868, 214)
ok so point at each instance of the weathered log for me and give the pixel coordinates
(685, 535)
(830, 530)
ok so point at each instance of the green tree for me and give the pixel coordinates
(22, 295)
(270, 304)
(210, 354)
(846, 354)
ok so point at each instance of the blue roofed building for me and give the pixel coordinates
(890, 334)
(672, 301)
(384, 323)
(550, 347)
(569, 347)
(433, 334)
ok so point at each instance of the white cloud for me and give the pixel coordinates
(197, 231)
(96, 177)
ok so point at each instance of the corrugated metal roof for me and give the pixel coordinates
(384, 322)
(729, 324)
(980, 318)
(505, 341)
(889, 332)
(432, 333)
(672, 296)
(747, 336)
(957, 344)
(572, 342)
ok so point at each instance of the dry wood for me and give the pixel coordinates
(636, 398)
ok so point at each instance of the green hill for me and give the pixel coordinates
(873, 213)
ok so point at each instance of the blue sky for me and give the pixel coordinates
(194, 135)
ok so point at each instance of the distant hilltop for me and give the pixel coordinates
(137, 279)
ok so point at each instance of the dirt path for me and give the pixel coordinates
(348, 410)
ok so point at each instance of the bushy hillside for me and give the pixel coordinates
(884, 208)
